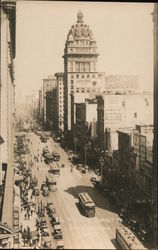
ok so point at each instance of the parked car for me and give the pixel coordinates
(55, 221)
(133, 225)
(45, 232)
(143, 235)
(57, 232)
(43, 185)
(45, 191)
(60, 244)
(36, 192)
(93, 178)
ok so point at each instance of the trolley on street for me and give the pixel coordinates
(87, 204)
(127, 240)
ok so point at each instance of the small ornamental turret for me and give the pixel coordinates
(80, 17)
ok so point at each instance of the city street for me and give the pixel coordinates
(79, 232)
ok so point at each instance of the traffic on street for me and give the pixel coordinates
(55, 190)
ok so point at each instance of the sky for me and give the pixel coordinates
(123, 31)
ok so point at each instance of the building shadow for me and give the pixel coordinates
(115, 243)
(97, 197)
(80, 209)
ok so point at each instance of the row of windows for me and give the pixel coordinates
(84, 90)
(87, 76)
(80, 50)
(82, 42)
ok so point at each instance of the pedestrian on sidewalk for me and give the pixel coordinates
(25, 216)
(21, 227)
(31, 212)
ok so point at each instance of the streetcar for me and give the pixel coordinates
(127, 240)
(87, 204)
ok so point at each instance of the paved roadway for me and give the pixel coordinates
(79, 232)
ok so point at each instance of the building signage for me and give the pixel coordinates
(16, 225)
(136, 141)
(142, 149)
(84, 81)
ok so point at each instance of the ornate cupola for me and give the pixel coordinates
(81, 45)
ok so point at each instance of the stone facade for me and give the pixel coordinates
(48, 84)
(7, 109)
(80, 67)
(60, 102)
(119, 111)
(155, 177)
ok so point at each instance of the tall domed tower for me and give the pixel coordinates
(80, 68)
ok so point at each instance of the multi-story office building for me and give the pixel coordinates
(51, 108)
(60, 102)
(119, 111)
(40, 105)
(80, 68)
(48, 84)
(7, 121)
(122, 83)
(135, 154)
(155, 177)
(29, 106)
(86, 119)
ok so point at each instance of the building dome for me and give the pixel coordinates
(80, 31)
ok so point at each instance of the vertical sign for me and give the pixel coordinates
(16, 225)
(136, 141)
(142, 149)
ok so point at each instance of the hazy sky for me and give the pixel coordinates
(123, 31)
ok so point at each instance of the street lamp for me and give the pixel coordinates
(85, 150)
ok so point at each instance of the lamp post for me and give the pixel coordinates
(85, 156)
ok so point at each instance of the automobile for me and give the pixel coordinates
(55, 221)
(48, 204)
(43, 185)
(52, 215)
(60, 244)
(57, 232)
(133, 225)
(44, 139)
(45, 191)
(49, 158)
(52, 212)
(93, 178)
(57, 139)
(143, 235)
(83, 171)
(47, 244)
(79, 166)
(44, 225)
(98, 184)
(45, 150)
(45, 232)
(36, 192)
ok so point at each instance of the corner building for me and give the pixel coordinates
(80, 69)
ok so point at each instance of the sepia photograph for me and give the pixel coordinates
(78, 125)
